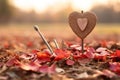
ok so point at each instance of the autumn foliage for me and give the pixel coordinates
(29, 56)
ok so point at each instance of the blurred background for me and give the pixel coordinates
(18, 16)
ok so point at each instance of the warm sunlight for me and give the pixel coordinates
(83, 4)
(39, 6)
(55, 5)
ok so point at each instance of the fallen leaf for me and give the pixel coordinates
(48, 69)
(115, 67)
(30, 66)
(70, 62)
(61, 54)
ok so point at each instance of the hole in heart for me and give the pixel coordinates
(82, 23)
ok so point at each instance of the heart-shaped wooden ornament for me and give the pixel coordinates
(82, 23)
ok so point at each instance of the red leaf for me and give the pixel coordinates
(118, 53)
(43, 55)
(62, 54)
(103, 43)
(69, 62)
(115, 66)
(29, 44)
(12, 62)
(89, 54)
(47, 69)
(77, 55)
(52, 68)
(100, 57)
(44, 69)
(35, 51)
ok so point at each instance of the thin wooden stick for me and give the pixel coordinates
(56, 44)
(82, 45)
(43, 38)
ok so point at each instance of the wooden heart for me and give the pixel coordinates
(82, 23)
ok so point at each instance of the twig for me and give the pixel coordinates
(56, 44)
(43, 38)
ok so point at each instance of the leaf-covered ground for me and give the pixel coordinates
(24, 56)
(27, 58)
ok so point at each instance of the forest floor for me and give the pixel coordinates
(24, 56)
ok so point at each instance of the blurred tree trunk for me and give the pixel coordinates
(106, 14)
(5, 11)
